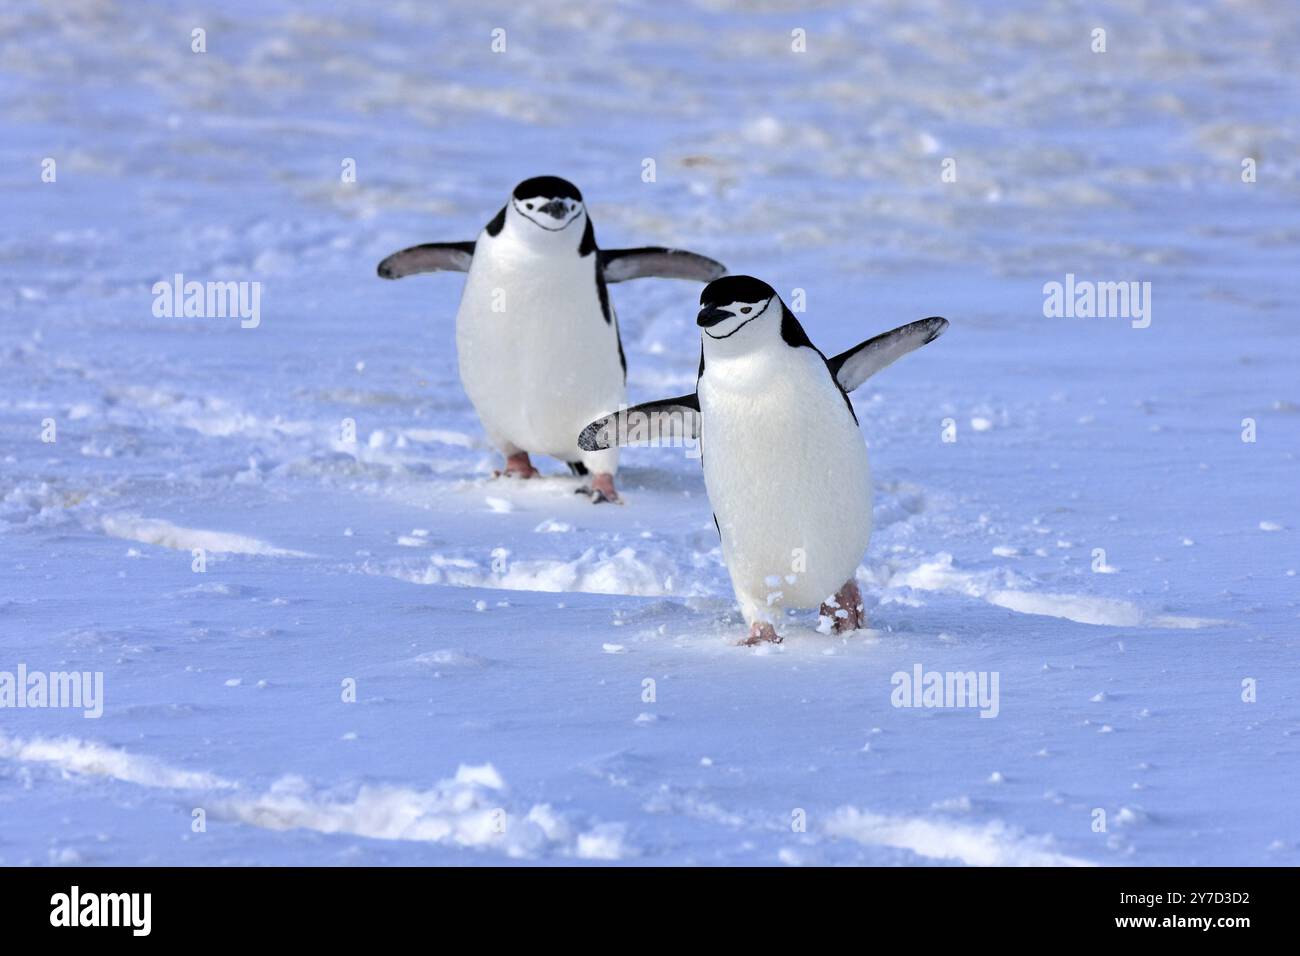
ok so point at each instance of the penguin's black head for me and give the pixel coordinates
(732, 302)
(549, 202)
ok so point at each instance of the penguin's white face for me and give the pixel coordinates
(723, 321)
(548, 203)
(738, 313)
(549, 213)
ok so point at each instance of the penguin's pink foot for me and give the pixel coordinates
(845, 610)
(760, 632)
(601, 489)
(518, 466)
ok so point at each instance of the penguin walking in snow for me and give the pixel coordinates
(785, 465)
(536, 335)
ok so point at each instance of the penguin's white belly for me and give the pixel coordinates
(787, 474)
(537, 358)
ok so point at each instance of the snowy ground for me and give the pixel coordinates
(500, 634)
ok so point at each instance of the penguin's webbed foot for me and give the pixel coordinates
(760, 632)
(518, 466)
(845, 610)
(601, 490)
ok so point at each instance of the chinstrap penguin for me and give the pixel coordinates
(537, 338)
(785, 465)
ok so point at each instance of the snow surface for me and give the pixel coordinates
(500, 634)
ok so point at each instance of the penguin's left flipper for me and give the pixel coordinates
(619, 265)
(859, 363)
(652, 423)
(429, 257)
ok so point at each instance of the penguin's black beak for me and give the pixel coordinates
(555, 208)
(711, 316)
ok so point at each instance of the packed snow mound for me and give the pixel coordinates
(92, 759)
(643, 573)
(988, 844)
(168, 535)
(470, 809)
(940, 574)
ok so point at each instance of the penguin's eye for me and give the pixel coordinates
(529, 205)
(746, 309)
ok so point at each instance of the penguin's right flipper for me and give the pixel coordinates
(652, 423)
(619, 265)
(859, 363)
(430, 257)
